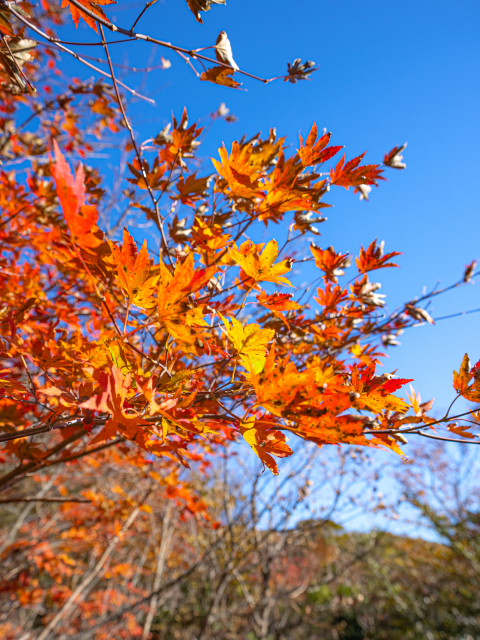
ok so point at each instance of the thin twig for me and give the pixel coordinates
(33, 431)
(134, 142)
(69, 51)
(429, 435)
(140, 36)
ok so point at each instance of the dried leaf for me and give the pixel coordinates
(223, 50)
(196, 6)
(21, 53)
(222, 76)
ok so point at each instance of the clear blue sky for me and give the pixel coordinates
(389, 73)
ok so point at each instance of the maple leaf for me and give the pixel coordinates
(314, 399)
(11, 387)
(179, 143)
(420, 408)
(351, 175)
(261, 267)
(222, 76)
(375, 391)
(81, 219)
(154, 175)
(133, 271)
(288, 189)
(330, 298)
(90, 5)
(461, 380)
(395, 383)
(330, 262)
(174, 310)
(242, 169)
(178, 230)
(265, 441)
(192, 189)
(460, 430)
(209, 237)
(278, 302)
(372, 258)
(250, 342)
(67, 397)
(304, 222)
(112, 400)
(314, 152)
(286, 392)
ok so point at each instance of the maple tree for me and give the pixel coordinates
(113, 354)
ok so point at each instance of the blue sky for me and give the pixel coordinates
(389, 73)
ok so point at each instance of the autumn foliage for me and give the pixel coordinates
(156, 362)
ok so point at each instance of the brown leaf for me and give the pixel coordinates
(222, 76)
(20, 54)
(196, 6)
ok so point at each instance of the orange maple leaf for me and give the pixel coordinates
(221, 76)
(180, 143)
(133, 271)
(265, 441)
(278, 302)
(242, 170)
(314, 152)
(461, 380)
(90, 6)
(111, 400)
(374, 391)
(330, 262)
(11, 387)
(330, 298)
(372, 258)
(351, 175)
(174, 310)
(80, 218)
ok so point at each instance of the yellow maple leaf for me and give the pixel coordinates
(265, 442)
(250, 342)
(261, 267)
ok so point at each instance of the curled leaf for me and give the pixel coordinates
(12, 59)
(223, 50)
(196, 6)
(298, 71)
(222, 76)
